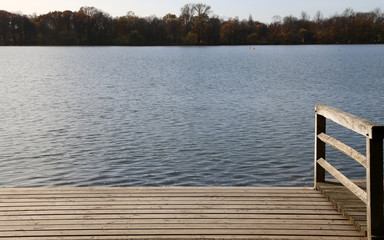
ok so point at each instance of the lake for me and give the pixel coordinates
(179, 116)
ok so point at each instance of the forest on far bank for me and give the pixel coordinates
(195, 25)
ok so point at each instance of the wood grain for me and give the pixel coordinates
(347, 150)
(360, 193)
(352, 122)
(171, 213)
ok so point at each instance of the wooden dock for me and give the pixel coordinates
(171, 213)
(371, 192)
(346, 202)
(333, 209)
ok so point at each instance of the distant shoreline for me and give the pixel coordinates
(195, 26)
(202, 45)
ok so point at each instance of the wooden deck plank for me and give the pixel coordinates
(344, 180)
(171, 213)
(264, 226)
(133, 195)
(144, 222)
(299, 200)
(169, 206)
(189, 237)
(12, 217)
(346, 202)
(128, 203)
(317, 212)
(202, 231)
(261, 224)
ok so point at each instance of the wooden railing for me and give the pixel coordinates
(373, 161)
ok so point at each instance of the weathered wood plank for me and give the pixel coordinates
(208, 221)
(180, 199)
(347, 150)
(158, 214)
(334, 183)
(14, 217)
(115, 226)
(118, 202)
(194, 237)
(357, 124)
(344, 180)
(332, 190)
(120, 212)
(168, 206)
(144, 232)
(168, 195)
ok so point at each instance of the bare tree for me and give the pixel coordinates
(305, 16)
(318, 18)
(201, 19)
(186, 16)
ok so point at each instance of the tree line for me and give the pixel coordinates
(195, 25)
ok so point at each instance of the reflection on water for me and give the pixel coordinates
(153, 116)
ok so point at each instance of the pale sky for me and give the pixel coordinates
(261, 10)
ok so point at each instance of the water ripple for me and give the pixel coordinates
(174, 116)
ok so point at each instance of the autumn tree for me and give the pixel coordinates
(186, 16)
(211, 33)
(157, 31)
(275, 30)
(228, 31)
(257, 32)
(5, 18)
(195, 18)
(378, 27)
(99, 26)
(173, 28)
(20, 30)
(201, 19)
(195, 25)
(80, 23)
(319, 31)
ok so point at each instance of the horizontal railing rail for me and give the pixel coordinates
(347, 150)
(352, 122)
(373, 161)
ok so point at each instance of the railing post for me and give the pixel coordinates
(319, 149)
(375, 219)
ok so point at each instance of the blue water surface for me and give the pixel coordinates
(170, 116)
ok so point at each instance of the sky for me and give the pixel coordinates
(261, 10)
